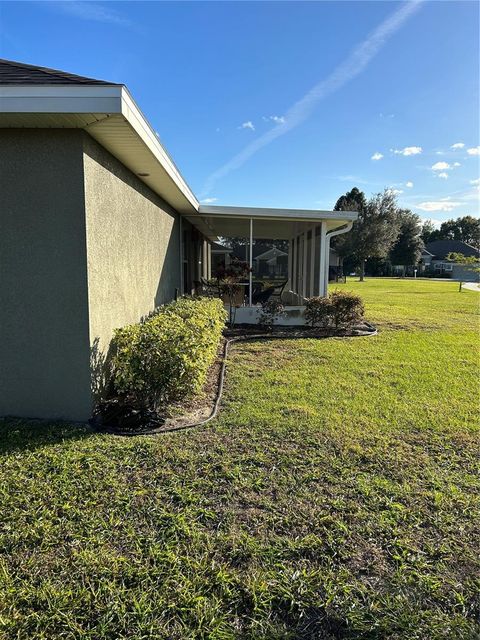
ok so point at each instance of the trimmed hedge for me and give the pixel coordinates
(338, 309)
(167, 356)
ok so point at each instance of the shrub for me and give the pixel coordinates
(271, 309)
(338, 309)
(318, 311)
(347, 308)
(166, 357)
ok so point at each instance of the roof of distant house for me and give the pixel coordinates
(19, 73)
(440, 249)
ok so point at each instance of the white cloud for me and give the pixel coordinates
(457, 164)
(474, 151)
(440, 153)
(208, 200)
(396, 192)
(408, 151)
(438, 205)
(443, 175)
(247, 125)
(350, 68)
(377, 156)
(276, 119)
(90, 11)
(476, 181)
(458, 145)
(409, 184)
(440, 166)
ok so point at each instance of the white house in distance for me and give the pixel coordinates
(98, 228)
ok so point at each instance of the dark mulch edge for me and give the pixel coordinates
(209, 401)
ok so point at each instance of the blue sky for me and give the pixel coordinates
(285, 104)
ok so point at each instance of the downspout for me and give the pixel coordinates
(329, 236)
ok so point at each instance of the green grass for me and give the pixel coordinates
(337, 496)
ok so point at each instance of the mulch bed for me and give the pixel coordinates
(120, 419)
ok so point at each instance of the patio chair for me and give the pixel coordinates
(263, 296)
(278, 290)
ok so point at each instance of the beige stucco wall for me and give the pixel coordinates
(133, 247)
(44, 351)
(85, 247)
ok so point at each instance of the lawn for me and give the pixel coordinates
(336, 496)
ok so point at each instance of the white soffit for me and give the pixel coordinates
(110, 116)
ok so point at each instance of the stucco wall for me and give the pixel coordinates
(133, 247)
(44, 352)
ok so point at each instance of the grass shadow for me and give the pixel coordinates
(18, 434)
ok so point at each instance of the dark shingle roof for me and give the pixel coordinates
(18, 73)
(441, 248)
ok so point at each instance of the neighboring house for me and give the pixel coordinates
(434, 260)
(272, 263)
(98, 227)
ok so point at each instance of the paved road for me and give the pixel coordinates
(473, 286)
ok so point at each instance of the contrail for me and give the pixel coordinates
(301, 110)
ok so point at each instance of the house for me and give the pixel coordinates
(98, 228)
(434, 260)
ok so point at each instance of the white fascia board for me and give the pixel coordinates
(141, 126)
(61, 99)
(108, 100)
(307, 215)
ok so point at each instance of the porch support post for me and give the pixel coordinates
(327, 262)
(293, 284)
(304, 266)
(290, 264)
(250, 263)
(312, 261)
(180, 233)
(322, 289)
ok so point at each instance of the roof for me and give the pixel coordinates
(440, 249)
(18, 73)
(39, 97)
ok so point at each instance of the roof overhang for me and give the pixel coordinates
(110, 115)
(280, 224)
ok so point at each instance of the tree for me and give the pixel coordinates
(375, 230)
(343, 244)
(429, 233)
(408, 246)
(466, 229)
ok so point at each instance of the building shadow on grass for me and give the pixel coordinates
(18, 434)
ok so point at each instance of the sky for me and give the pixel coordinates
(285, 104)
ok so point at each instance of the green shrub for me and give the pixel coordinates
(318, 311)
(338, 309)
(166, 357)
(347, 308)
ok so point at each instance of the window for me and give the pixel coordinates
(448, 266)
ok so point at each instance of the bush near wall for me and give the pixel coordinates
(167, 356)
(340, 309)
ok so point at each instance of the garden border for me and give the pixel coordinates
(277, 335)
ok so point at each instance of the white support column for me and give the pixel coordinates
(322, 290)
(209, 261)
(312, 262)
(304, 265)
(290, 264)
(293, 284)
(180, 233)
(327, 262)
(250, 275)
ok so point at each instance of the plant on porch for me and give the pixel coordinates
(228, 279)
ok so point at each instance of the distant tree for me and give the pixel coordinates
(344, 244)
(466, 229)
(374, 232)
(429, 232)
(408, 246)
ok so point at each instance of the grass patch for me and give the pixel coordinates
(337, 496)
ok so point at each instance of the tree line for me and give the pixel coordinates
(384, 232)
